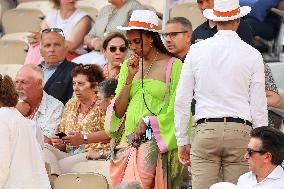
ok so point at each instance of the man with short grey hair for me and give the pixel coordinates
(36, 104)
(177, 36)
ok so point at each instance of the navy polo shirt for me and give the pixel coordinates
(204, 31)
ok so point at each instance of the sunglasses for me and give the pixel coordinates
(57, 30)
(172, 34)
(113, 49)
(251, 151)
(85, 66)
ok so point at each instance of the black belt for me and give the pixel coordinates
(224, 119)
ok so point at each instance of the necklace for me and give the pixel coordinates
(76, 118)
(149, 68)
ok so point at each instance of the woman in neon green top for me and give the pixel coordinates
(144, 104)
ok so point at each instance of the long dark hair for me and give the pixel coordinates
(158, 44)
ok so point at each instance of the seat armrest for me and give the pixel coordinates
(277, 111)
(278, 12)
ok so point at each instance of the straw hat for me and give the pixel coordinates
(223, 185)
(225, 10)
(142, 20)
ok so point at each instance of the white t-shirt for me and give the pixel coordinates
(54, 20)
(275, 180)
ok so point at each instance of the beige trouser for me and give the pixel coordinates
(61, 162)
(217, 146)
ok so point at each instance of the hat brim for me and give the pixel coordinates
(208, 13)
(136, 28)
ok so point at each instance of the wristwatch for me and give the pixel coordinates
(85, 139)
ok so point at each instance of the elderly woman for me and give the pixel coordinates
(106, 93)
(109, 18)
(142, 118)
(21, 163)
(115, 48)
(81, 117)
(74, 23)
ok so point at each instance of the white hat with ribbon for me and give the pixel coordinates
(142, 20)
(225, 10)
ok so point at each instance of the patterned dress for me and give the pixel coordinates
(273, 119)
(85, 123)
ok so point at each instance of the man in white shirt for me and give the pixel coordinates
(35, 104)
(265, 154)
(227, 76)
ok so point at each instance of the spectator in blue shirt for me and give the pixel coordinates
(262, 21)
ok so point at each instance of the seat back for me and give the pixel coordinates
(92, 166)
(12, 51)
(91, 11)
(81, 181)
(158, 5)
(44, 6)
(22, 20)
(10, 69)
(23, 1)
(189, 11)
(23, 36)
(98, 4)
(277, 70)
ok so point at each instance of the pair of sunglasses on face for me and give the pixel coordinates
(251, 152)
(114, 49)
(57, 30)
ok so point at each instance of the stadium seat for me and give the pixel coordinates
(12, 51)
(44, 6)
(23, 1)
(91, 11)
(158, 5)
(92, 166)
(10, 69)
(277, 70)
(22, 20)
(81, 181)
(23, 36)
(98, 4)
(189, 11)
(5, 5)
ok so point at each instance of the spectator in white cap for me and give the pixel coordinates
(227, 76)
(144, 100)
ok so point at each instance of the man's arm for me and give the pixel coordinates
(183, 100)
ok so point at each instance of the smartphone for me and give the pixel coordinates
(60, 135)
(130, 138)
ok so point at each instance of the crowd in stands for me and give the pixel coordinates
(159, 101)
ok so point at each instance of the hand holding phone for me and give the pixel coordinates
(60, 135)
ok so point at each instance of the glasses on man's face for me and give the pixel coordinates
(251, 152)
(114, 48)
(172, 34)
(57, 30)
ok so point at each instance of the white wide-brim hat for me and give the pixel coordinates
(142, 20)
(225, 10)
(223, 185)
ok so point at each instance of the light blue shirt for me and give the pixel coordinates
(47, 72)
